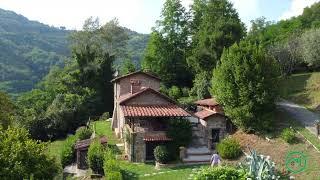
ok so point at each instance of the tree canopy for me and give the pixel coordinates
(245, 83)
(310, 43)
(69, 96)
(165, 54)
(219, 28)
(127, 67)
(6, 110)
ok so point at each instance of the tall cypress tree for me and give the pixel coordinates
(219, 28)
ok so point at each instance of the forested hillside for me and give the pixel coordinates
(28, 49)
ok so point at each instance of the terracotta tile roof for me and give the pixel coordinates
(207, 102)
(207, 113)
(84, 144)
(156, 138)
(137, 72)
(128, 96)
(169, 110)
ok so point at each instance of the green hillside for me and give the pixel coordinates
(28, 49)
(303, 89)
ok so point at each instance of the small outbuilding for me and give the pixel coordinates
(214, 124)
(82, 147)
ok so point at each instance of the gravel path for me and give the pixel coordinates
(301, 114)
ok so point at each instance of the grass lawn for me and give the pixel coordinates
(104, 128)
(303, 89)
(148, 171)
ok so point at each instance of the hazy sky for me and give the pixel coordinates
(138, 15)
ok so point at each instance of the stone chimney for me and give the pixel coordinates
(135, 85)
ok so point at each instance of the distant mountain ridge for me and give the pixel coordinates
(29, 48)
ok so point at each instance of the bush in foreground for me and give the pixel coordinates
(84, 133)
(161, 154)
(111, 167)
(288, 135)
(23, 158)
(68, 151)
(96, 157)
(221, 173)
(229, 148)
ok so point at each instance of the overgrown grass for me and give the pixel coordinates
(306, 133)
(303, 89)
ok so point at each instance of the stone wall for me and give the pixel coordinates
(124, 86)
(213, 122)
(148, 98)
(139, 148)
(135, 146)
(128, 137)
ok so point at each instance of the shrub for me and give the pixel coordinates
(22, 157)
(161, 154)
(185, 92)
(174, 92)
(84, 133)
(229, 148)
(180, 131)
(96, 157)
(188, 103)
(114, 175)
(105, 116)
(221, 173)
(111, 166)
(288, 135)
(68, 151)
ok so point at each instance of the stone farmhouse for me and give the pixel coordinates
(141, 111)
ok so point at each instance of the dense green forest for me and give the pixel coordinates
(29, 49)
